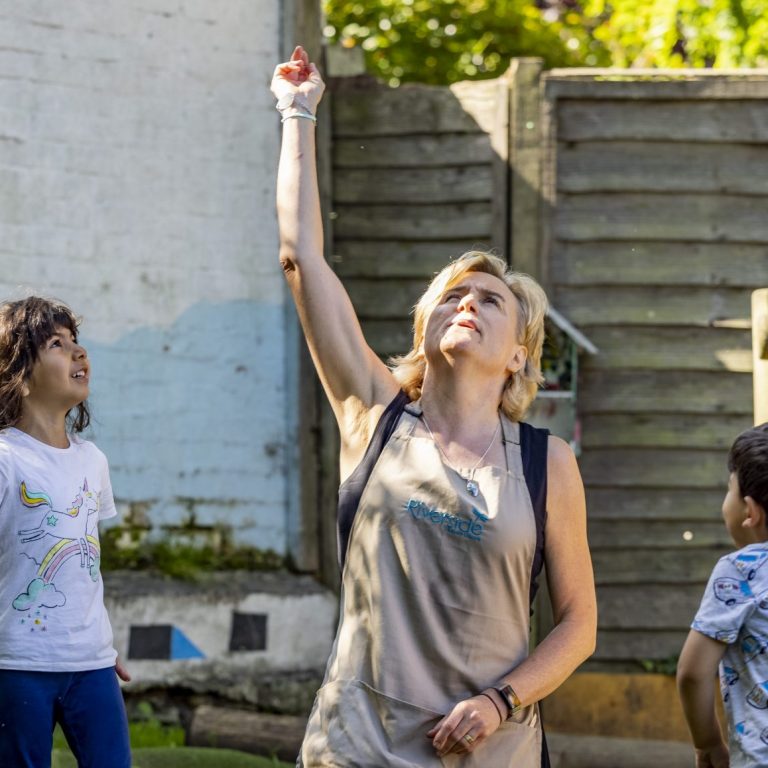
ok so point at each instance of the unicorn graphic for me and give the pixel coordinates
(74, 525)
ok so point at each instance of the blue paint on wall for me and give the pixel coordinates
(183, 648)
(192, 418)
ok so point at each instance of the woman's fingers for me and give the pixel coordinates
(314, 75)
(468, 724)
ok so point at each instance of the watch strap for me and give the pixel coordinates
(511, 699)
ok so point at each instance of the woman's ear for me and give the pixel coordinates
(517, 361)
(25, 390)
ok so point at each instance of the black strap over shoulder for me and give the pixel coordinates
(351, 490)
(533, 448)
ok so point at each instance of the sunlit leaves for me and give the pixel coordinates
(682, 33)
(441, 41)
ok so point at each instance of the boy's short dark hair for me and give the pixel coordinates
(748, 458)
(26, 325)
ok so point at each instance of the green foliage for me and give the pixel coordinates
(145, 733)
(442, 41)
(666, 666)
(682, 33)
(183, 560)
(157, 746)
(192, 757)
(183, 757)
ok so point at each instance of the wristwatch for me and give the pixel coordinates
(510, 698)
(293, 101)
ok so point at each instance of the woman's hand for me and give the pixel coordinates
(465, 727)
(300, 76)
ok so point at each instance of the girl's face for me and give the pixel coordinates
(61, 375)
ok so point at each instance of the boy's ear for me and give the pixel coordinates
(755, 514)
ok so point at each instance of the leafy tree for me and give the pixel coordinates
(441, 41)
(682, 33)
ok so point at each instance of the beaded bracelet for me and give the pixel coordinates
(493, 701)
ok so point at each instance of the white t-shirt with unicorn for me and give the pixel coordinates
(52, 614)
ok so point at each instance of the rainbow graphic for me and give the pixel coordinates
(35, 498)
(60, 553)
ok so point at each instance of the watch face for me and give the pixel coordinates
(285, 101)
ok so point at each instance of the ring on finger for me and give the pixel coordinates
(469, 738)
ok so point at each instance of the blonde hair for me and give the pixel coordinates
(521, 387)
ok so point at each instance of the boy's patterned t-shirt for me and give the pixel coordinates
(734, 610)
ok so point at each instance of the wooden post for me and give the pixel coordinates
(300, 24)
(760, 353)
(525, 166)
(499, 135)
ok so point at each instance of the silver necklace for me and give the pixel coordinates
(472, 485)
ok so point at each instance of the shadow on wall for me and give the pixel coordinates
(193, 420)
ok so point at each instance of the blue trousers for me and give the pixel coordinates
(87, 705)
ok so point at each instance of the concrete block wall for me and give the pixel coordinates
(138, 148)
(234, 635)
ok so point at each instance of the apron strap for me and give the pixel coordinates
(351, 490)
(533, 448)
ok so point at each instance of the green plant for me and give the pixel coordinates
(442, 41)
(183, 757)
(181, 559)
(666, 666)
(146, 733)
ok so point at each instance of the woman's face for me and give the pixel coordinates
(477, 317)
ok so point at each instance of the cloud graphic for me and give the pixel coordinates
(39, 594)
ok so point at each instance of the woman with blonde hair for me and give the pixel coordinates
(448, 507)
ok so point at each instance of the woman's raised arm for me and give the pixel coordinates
(356, 382)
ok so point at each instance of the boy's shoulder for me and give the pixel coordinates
(749, 562)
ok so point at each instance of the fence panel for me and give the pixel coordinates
(639, 200)
(656, 191)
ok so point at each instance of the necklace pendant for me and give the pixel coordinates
(473, 487)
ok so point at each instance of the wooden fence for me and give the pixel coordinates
(641, 202)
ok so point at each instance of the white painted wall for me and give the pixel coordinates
(138, 148)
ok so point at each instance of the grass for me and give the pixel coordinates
(156, 746)
(183, 757)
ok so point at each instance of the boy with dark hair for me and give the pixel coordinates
(730, 630)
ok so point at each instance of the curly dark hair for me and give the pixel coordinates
(748, 458)
(25, 326)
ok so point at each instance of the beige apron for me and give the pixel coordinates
(434, 609)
